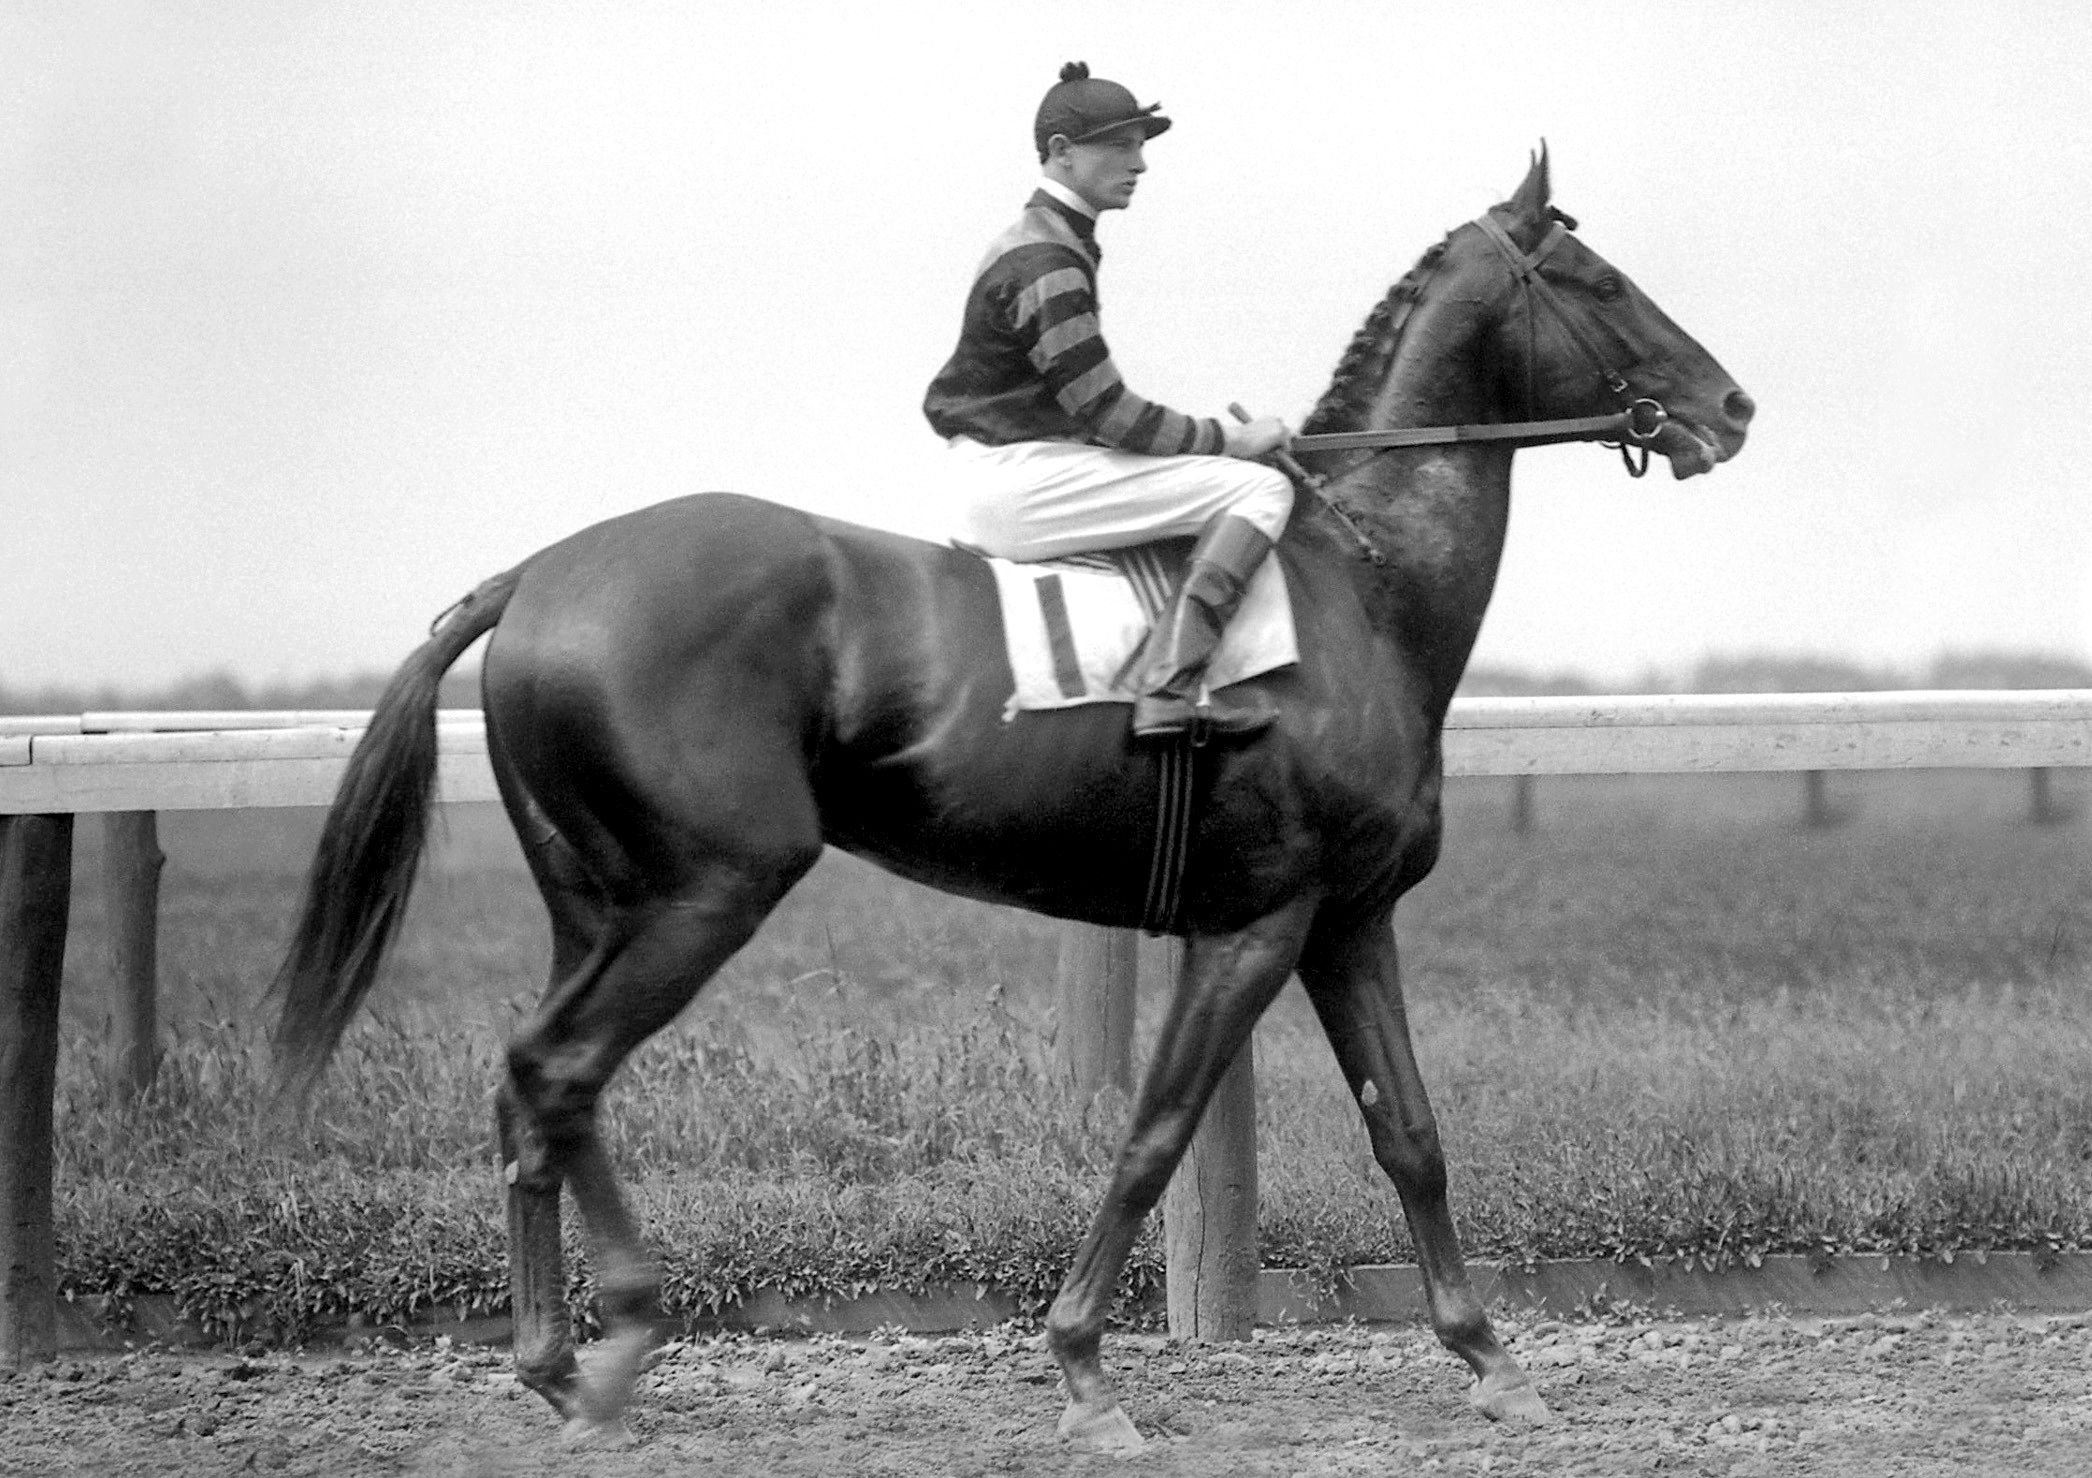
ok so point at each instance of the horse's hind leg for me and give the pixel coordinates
(544, 1346)
(649, 960)
(1350, 974)
(1226, 983)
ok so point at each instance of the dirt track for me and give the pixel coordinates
(1968, 1395)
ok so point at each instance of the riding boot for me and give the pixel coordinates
(1170, 669)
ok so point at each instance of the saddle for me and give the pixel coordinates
(1071, 626)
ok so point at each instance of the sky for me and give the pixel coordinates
(313, 315)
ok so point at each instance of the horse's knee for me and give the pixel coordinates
(1145, 1168)
(1410, 1154)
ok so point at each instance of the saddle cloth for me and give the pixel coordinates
(1071, 624)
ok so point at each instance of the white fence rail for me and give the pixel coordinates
(129, 766)
(227, 761)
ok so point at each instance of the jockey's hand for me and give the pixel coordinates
(1250, 440)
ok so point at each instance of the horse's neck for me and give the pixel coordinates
(1439, 513)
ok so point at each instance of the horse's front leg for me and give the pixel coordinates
(1226, 983)
(1350, 975)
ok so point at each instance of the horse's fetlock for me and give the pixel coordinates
(1464, 1330)
(1072, 1337)
(630, 1295)
(550, 1370)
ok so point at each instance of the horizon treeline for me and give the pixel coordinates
(1757, 672)
(1778, 672)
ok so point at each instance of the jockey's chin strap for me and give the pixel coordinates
(1630, 429)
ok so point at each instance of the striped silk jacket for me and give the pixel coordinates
(1031, 363)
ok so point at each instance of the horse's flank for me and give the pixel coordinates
(880, 659)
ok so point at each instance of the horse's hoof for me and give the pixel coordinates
(1513, 1400)
(608, 1371)
(1108, 1431)
(582, 1434)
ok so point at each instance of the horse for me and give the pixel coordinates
(684, 704)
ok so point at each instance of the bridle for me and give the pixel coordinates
(1631, 429)
(1526, 267)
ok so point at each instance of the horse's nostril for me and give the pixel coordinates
(1739, 407)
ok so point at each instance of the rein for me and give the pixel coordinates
(1640, 421)
(1630, 429)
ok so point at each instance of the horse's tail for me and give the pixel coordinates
(369, 848)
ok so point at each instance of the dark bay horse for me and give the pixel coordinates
(686, 703)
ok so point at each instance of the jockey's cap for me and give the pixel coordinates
(1082, 107)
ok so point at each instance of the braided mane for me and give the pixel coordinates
(1365, 363)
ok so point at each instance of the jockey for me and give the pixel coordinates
(1055, 455)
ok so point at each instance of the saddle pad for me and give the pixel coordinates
(1071, 624)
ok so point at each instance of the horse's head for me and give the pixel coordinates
(1575, 337)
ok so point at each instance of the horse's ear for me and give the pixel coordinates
(1530, 201)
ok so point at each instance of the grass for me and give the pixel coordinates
(1669, 1021)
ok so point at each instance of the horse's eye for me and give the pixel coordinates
(1608, 288)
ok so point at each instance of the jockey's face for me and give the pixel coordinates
(1102, 171)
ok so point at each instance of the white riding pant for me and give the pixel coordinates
(1043, 499)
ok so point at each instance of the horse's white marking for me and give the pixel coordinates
(1369, 1095)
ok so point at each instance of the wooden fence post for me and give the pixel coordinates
(1209, 1216)
(2043, 809)
(1209, 1212)
(1817, 809)
(1521, 804)
(131, 863)
(36, 878)
(1095, 984)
